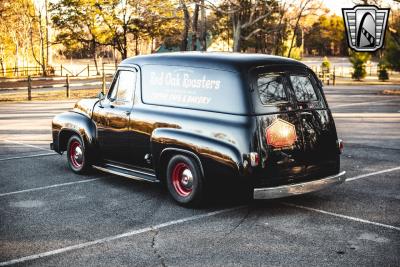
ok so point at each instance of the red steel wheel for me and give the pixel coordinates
(182, 179)
(76, 155)
(185, 180)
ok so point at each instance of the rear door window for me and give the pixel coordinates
(271, 89)
(303, 88)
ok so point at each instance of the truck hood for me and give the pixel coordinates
(85, 106)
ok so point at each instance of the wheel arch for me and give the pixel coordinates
(71, 123)
(167, 153)
(212, 155)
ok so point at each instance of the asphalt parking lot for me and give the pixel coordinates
(52, 217)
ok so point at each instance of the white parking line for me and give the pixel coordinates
(372, 173)
(343, 216)
(115, 237)
(363, 103)
(175, 222)
(29, 156)
(27, 145)
(49, 186)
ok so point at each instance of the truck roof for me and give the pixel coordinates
(235, 62)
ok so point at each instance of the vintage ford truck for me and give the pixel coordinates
(190, 119)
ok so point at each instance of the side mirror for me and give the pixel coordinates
(101, 96)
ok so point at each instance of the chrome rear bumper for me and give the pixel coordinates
(298, 189)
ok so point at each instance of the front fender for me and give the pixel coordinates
(70, 122)
(213, 153)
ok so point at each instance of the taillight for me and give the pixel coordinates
(340, 145)
(254, 159)
(281, 134)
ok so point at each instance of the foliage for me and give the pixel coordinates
(326, 36)
(383, 74)
(326, 65)
(18, 33)
(359, 60)
(392, 45)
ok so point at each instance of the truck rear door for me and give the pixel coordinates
(296, 136)
(320, 150)
(279, 130)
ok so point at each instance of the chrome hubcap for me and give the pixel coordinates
(78, 154)
(187, 178)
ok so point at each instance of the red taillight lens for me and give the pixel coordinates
(254, 159)
(340, 145)
(281, 134)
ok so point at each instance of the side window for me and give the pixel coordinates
(303, 88)
(271, 88)
(124, 87)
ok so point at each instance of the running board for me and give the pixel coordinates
(128, 173)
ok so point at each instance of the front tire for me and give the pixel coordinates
(77, 155)
(185, 181)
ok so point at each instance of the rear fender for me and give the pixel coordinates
(213, 156)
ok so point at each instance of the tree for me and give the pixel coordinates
(358, 60)
(78, 22)
(247, 18)
(305, 8)
(18, 43)
(383, 75)
(392, 45)
(326, 36)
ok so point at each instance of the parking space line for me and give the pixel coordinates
(372, 173)
(49, 186)
(343, 216)
(363, 103)
(29, 156)
(115, 237)
(27, 145)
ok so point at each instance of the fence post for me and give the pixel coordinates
(61, 70)
(88, 71)
(334, 75)
(103, 86)
(67, 86)
(29, 88)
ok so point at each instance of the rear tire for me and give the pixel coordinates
(78, 160)
(185, 181)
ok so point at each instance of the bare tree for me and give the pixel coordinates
(305, 8)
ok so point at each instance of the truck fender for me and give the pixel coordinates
(71, 122)
(202, 148)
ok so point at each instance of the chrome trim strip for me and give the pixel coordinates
(298, 189)
(131, 170)
(124, 174)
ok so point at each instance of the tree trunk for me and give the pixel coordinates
(203, 35)
(94, 53)
(195, 27)
(125, 43)
(237, 31)
(136, 44)
(294, 35)
(186, 26)
(47, 34)
(2, 67)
